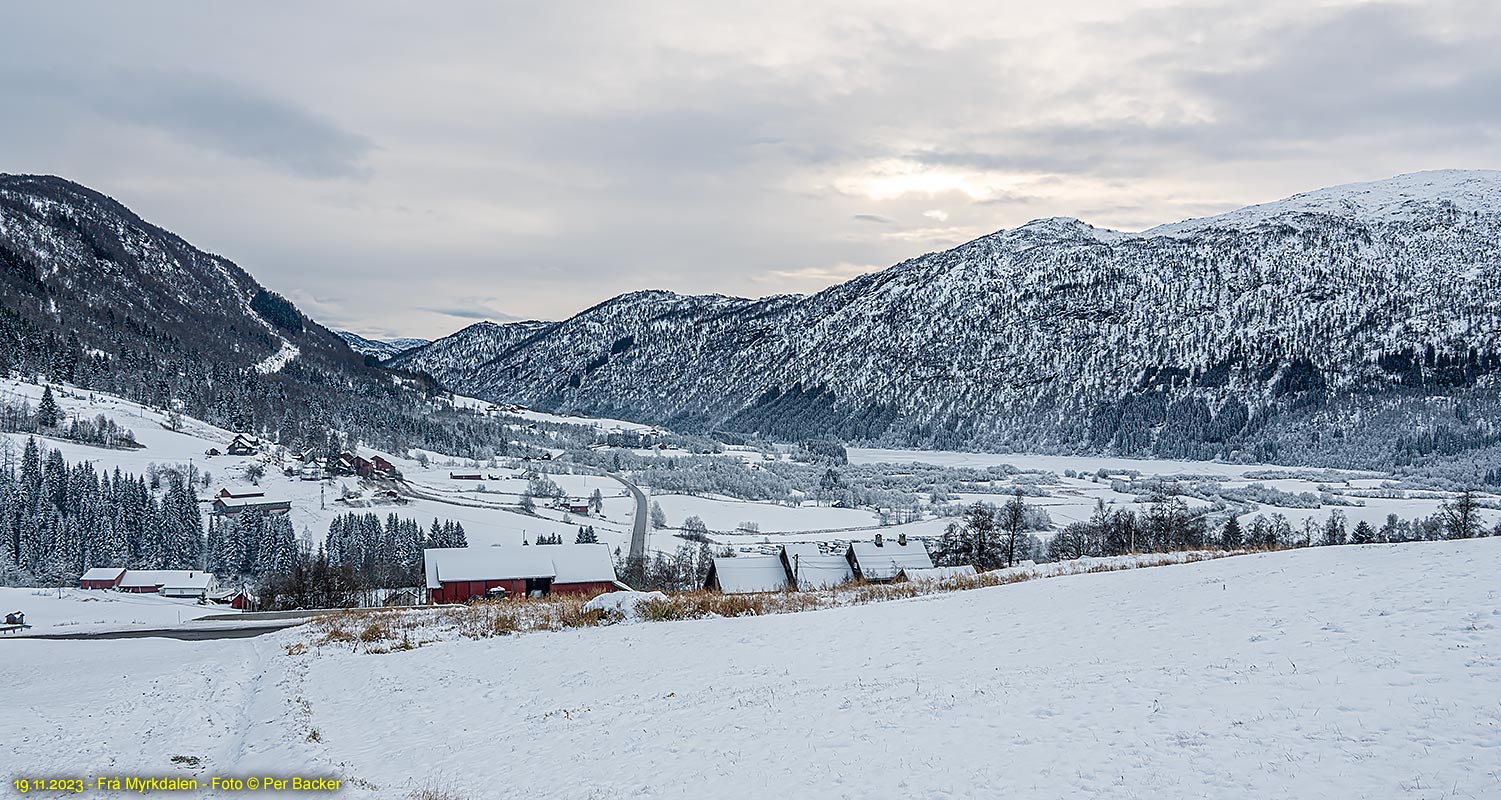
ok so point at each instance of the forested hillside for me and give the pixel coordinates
(1352, 326)
(96, 297)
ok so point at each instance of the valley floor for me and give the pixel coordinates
(1324, 672)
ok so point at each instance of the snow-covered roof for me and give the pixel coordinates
(822, 572)
(748, 574)
(564, 563)
(889, 559)
(581, 563)
(176, 578)
(236, 504)
(102, 573)
(801, 550)
(939, 573)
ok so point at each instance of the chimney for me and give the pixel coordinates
(901, 538)
(880, 542)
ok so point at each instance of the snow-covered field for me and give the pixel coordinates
(1326, 672)
(87, 610)
(727, 514)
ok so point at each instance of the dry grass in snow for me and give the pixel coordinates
(395, 630)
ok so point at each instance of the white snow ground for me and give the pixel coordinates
(1326, 672)
(89, 610)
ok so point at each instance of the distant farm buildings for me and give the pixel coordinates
(166, 582)
(461, 574)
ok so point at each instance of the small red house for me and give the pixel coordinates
(574, 507)
(240, 494)
(383, 466)
(101, 578)
(460, 574)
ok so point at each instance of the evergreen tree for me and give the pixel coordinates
(47, 412)
(1230, 536)
(1363, 534)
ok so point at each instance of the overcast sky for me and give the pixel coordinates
(409, 168)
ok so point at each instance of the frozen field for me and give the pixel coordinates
(1328, 672)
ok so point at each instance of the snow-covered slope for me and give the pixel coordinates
(456, 355)
(1326, 672)
(1354, 326)
(379, 348)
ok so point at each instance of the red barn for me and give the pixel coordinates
(239, 495)
(383, 466)
(101, 578)
(460, 574)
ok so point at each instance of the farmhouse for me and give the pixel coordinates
(884, 560)
(808, 568)
(101, 578)
(460, 574)
(576, 507)
(243, 445)
(196, 583)
(178, 583)
(382, 467)
(747, 575)
(230, 506)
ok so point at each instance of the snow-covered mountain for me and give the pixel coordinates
(95, 296)
(1355, 324)
(453, 357)
(381, 349)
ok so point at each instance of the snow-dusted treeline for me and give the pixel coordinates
(57, 520)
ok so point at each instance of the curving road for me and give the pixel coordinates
(638, 535)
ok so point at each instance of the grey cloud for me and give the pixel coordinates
(239, 121)
(871, 218)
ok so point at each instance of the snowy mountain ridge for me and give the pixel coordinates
(1355, 325)
(381, 349)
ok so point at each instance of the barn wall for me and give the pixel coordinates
(461, 591)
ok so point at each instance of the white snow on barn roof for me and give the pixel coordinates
(581, 563)
(939, 573)
(102, 574)
(888, 560)
(564, 563)
(748, 574)
(177, 578)
(822, 572)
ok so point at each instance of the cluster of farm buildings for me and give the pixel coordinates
(180, 583)
(461, 574)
